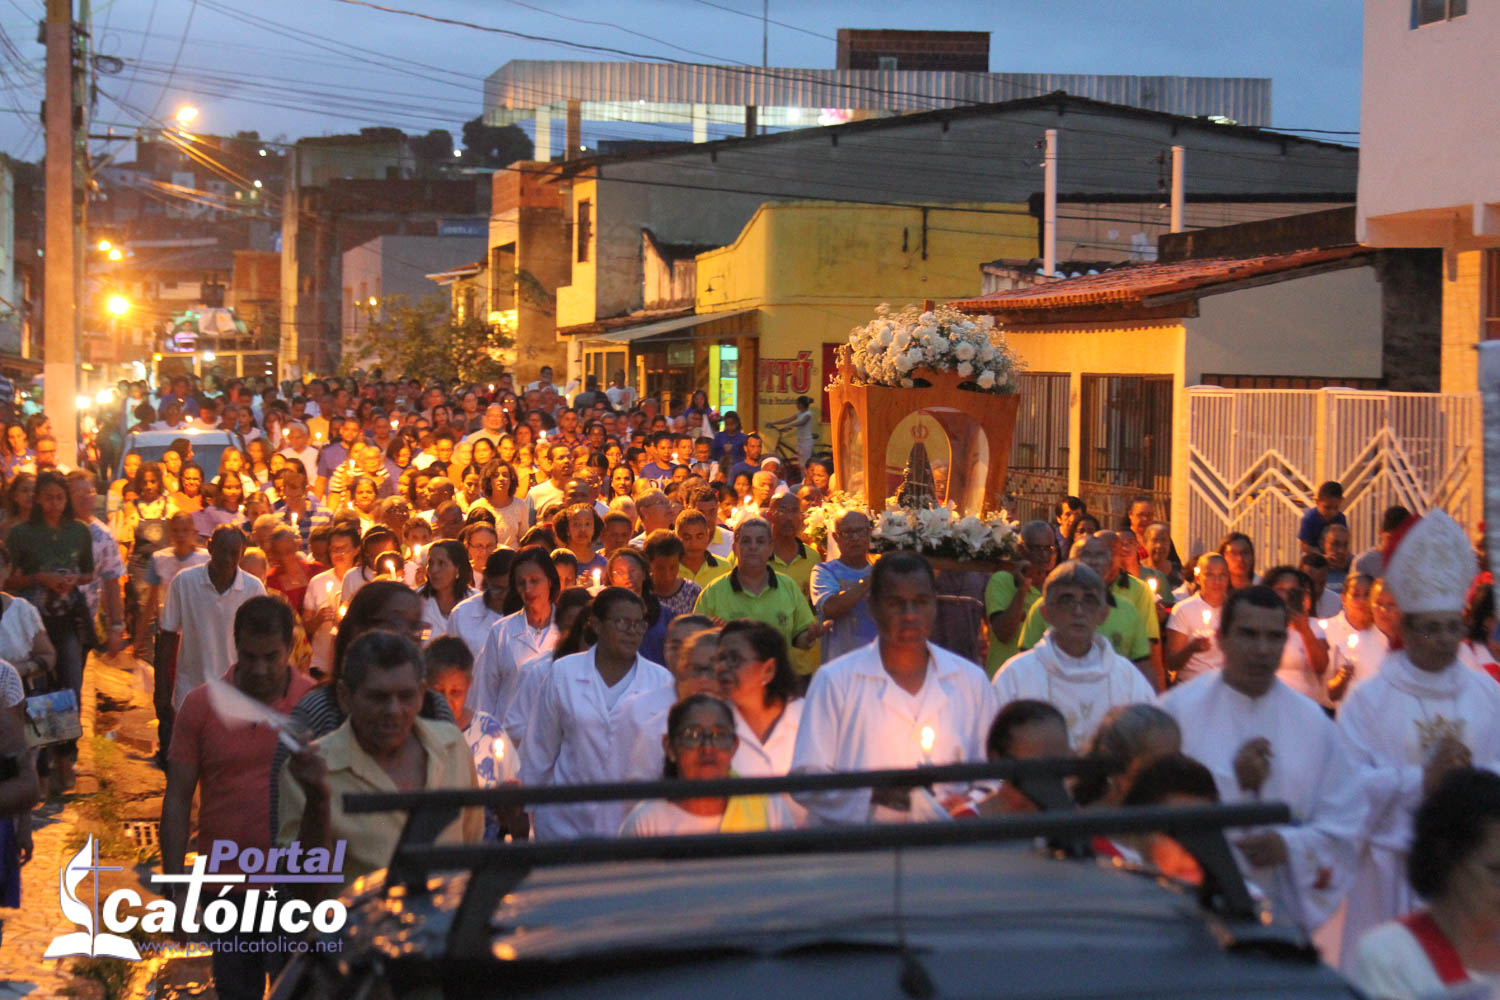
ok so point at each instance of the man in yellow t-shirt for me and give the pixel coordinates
(753, 590)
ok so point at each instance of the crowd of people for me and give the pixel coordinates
(448, 585)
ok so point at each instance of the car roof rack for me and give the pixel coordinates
(497, 868)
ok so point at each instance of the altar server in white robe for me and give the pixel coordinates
(1265, 742)
(898, 702)
(1421, 716)
(581, 732)
(1073, 668)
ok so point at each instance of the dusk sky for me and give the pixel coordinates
(290, 68)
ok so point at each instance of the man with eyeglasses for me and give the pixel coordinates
(1424, 714)
(898, 702)
(1003, 610)
(841, 588)
(1074, 668)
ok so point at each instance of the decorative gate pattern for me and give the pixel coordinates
(1256, 457)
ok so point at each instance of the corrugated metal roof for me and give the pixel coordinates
(1138, 283)
(525, 83)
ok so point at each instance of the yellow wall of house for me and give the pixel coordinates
(577, 303)
(815, 269)
(1099, 349)
(1462, 322)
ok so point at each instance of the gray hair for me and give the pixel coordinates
(1072, 574)
(1124, 731)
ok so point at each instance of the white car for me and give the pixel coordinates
(207, 447)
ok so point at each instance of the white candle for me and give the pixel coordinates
(1208, 617)
(1353, 639)
(1152, 584)
(597, 575)
(928, 739)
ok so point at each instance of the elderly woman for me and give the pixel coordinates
(1451, 948)
(700, 743)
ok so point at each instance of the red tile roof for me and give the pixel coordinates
(1134, 284)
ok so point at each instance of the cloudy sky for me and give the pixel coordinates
(289, 68)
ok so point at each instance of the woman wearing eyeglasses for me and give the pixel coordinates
(700, 742)
(580, 730)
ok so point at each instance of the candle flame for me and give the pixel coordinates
(1323, 624)
(499, 748)
(1152, 584)
(929, 737)
(1353, 639)
(597, 576)
(1208, 617)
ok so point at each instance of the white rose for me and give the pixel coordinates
(907, 383)
(986, 379)
(914, 357)
(901, 340)
(964, 351)
(965, 369)
(987, 353)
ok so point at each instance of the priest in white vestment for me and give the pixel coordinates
(899, 702)
(1421, 716)
(1265, 742)
(1073, 668)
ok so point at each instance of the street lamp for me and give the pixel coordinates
(186, 115)
(115, 254)
(118, 305)
(105, 246)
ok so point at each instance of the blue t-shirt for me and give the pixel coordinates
(729, 448)
(330, 458)
(1311, 529)
(856, 628)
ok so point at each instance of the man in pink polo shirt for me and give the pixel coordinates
(228, 762)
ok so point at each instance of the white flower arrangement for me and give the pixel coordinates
(941, 532)
(891, 348)
(819, 522)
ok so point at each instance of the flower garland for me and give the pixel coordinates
(937, 532)
(888, 349)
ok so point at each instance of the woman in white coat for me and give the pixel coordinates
(581, 729)
(757, 678)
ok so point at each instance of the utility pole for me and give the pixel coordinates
(291, 201)
(60, 285)
(1049, 206)
(1179, 158)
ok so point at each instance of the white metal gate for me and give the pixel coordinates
(1255, 458)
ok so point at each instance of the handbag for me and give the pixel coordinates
(52, 718)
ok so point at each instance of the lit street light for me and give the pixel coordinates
(116, 254)
(105, 246)
(118, 305)
(186, 115)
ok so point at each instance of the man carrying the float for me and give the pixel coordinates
(1421, 716)
(898, 702)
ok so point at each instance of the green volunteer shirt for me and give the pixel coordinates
(780, 604)
(998, 594)
(1122, 628)
(1138, 596)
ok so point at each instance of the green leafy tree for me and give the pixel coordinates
(494, 145)
(422, 340)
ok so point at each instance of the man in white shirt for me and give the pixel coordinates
(1421, 716)
(898, 702)
(297, 447)
(553, 490)
(621, 396)
(1265, 742)
(1073, 668)
(200, 603)
(543, 382)
(492, 426)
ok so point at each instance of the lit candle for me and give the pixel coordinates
(1152, 584)
(492, 387)
(1353, 639)
(1208, 617)
(395, 423)
(928, 738)
(1323, 624)
(597, 575)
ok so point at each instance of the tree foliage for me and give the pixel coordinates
(493, 145)
(421, 340)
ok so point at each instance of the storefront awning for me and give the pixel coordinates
(633, 333)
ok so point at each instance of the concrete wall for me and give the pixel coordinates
(1462, 319)
(1429, 127)
(1322, 325)
(398, 265)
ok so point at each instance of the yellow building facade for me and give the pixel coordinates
(812, 270)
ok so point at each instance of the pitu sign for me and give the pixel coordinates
(786, 375)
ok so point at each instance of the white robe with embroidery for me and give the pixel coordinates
(1311, 771)
(1083, 690)
(1391, 724)
(856, 718)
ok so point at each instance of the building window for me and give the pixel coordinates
(1432, 11)
(585, 230)
(887, 62)
(1491, 273)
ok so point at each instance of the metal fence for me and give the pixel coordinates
(1257, 456)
